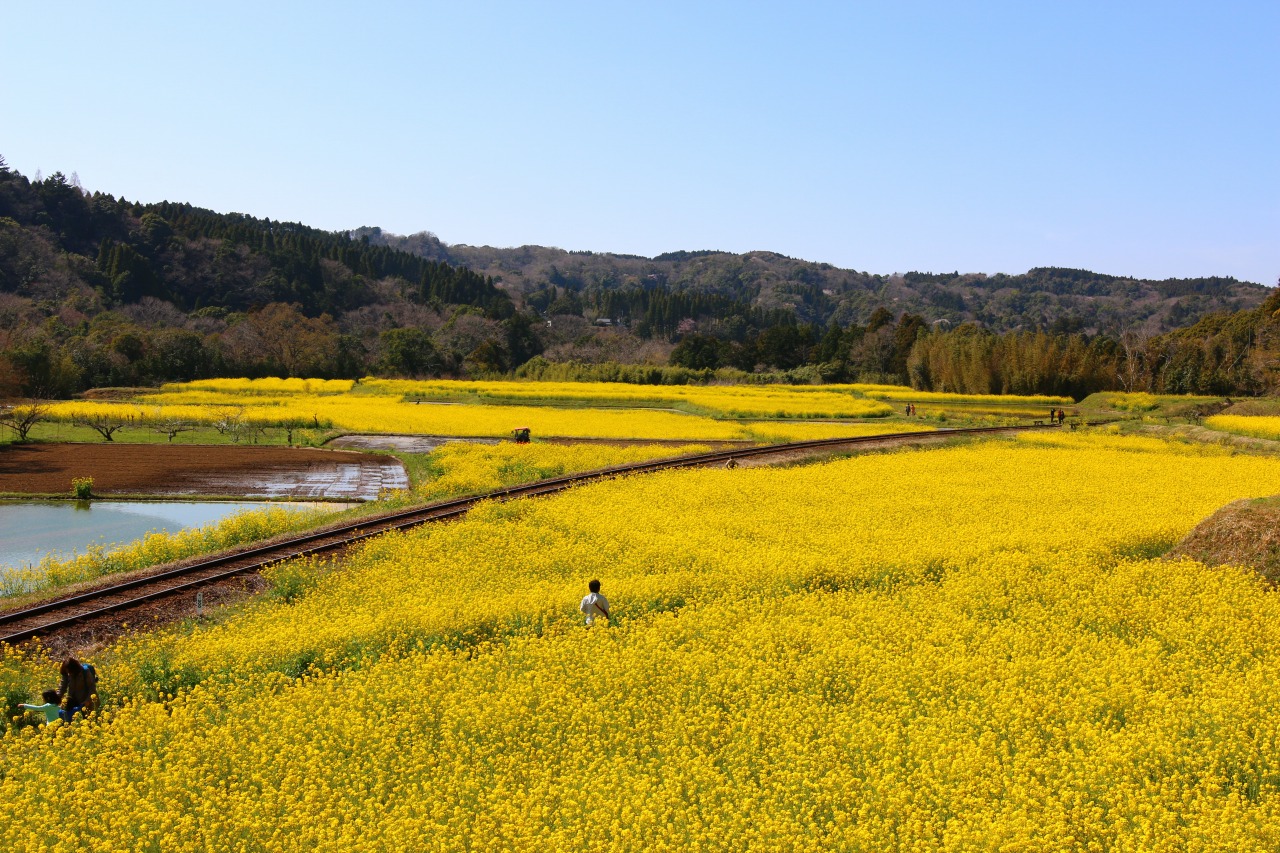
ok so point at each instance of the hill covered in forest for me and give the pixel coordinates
(96, 290)
(623, 287)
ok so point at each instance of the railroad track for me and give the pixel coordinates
(55, 615)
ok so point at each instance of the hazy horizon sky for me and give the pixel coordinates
(1136, 139)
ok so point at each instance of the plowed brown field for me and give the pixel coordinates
(156, 469)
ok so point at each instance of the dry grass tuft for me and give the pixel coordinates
(1242, 533)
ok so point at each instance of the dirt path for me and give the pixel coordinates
(163, 469)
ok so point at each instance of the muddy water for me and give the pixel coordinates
(363, 481)
(401, 443)
(29, 531)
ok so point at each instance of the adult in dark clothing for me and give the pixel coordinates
(79, 687)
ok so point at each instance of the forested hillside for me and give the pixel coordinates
(1224, 354)
(638, 290)
(96, 290)
(1047, 331)
(99, 291)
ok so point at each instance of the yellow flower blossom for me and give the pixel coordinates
(961, 649)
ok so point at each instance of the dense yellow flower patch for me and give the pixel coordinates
(269, 385)
(156, 548)
(737, 401)
(1110, 438)
(1141, 401)
(771, 400)
(464, 468)
(454, 469)
(251, 409)
(1137, 401)
(1256, 426)
(958, 649)
(388, 414)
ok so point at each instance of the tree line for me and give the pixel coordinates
(1223, 354)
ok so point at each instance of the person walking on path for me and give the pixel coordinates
(50, 708)
(594, 604)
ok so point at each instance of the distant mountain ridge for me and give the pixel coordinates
(1058, 299)
(97, 291)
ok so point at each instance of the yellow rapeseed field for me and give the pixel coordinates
(971, 648)
(269, 385)
(459, 468)
(455, 468)
(1138, 402)
(157, 547)
(752, 400)
(388, 413)
(252, 409)
(738, 401)
(1258, 426)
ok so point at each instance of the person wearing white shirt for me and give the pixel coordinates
(594, 604)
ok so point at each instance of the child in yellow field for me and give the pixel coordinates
(50, 708)
(594, 604)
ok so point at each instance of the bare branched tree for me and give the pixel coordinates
(1131, 369)
(258, 430)
(293, 424)
(103, 423)
(168, 424)
(22, 417)
(229, 421)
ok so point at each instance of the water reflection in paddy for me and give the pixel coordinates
(30, 530)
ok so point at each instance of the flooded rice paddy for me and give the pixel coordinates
(31, 530)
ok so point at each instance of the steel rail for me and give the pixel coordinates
(342, 536)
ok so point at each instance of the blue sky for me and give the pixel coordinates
(1131, 138)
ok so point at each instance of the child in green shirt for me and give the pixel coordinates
(50, 708)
